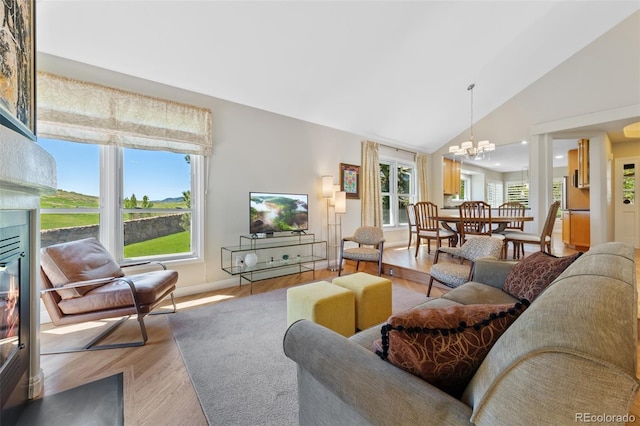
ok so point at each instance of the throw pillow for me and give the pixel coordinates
(75, 261)
(530, 276)
(445, 346)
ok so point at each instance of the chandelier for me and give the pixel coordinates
(469, 149)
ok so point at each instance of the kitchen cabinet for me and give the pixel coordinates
(583, 163)
(566, 227)
(577, 198)
(576, 228)
(451, 177)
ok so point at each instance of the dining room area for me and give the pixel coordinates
(401, 261)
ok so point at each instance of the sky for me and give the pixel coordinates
(157, 174)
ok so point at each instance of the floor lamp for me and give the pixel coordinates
(328, 190)
(340, 208)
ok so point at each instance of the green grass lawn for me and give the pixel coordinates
(174, 243)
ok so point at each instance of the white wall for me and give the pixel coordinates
(598, 84)
(254, 150)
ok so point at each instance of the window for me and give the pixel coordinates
(139, 203)
(145, 152)
(557, 194)
(397, 182)
(629, 183)
(465, 188)
(495, 193)
(518, 192)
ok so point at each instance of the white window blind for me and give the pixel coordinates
(494, 194)
(518, 192)
(85, 112)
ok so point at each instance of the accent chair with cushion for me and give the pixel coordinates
(370, 240)
(82, 282)
(572, 352)
(454, 274)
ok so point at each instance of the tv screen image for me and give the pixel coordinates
(276, 212)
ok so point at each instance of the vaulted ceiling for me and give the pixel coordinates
(394, 71)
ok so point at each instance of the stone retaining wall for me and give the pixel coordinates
(135, 230)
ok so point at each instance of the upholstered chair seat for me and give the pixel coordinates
(454, 274)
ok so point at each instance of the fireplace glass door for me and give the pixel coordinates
(9, 307)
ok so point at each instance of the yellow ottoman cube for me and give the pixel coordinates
(325, 304)
(373, 297)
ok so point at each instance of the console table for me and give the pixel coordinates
(278, 255)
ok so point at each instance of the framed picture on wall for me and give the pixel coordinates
(17, 74)
(350, 180)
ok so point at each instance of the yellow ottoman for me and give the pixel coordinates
(373, 297)
(325, 304)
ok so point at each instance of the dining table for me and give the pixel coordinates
(501, 222)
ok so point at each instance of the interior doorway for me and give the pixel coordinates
(626, 202)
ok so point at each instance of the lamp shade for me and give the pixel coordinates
(341, 202)
(327, 186)
(336, 188)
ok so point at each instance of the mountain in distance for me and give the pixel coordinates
(70, 199)
(170, 200)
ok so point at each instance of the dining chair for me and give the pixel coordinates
(512, 209)
(411, 218)
(475, 220)
(428, 226)
(370, 240)
(454, 274)
(543, 240)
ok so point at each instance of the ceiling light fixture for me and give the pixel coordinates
(469, 149)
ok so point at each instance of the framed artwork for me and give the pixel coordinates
(17, 73)
(350, 180)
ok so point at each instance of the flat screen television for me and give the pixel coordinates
(276, 212)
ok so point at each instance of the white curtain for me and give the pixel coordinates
(371, 191)
(90, 113)
(422, 176)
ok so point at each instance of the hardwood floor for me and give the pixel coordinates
(158, 390)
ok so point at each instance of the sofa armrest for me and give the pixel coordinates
(378, 391)
(492, 272)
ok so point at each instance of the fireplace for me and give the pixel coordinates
(14, 313)
(26, 172)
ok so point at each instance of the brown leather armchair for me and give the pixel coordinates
(82, 282)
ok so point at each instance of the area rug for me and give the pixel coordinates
(233, 353)
(99, 403)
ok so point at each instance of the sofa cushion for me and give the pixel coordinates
(529, 277)
(474, 293)
(445, 346)
(75, 261)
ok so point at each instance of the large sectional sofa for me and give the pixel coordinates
(570, 357)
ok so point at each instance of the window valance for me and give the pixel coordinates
(85, 112)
